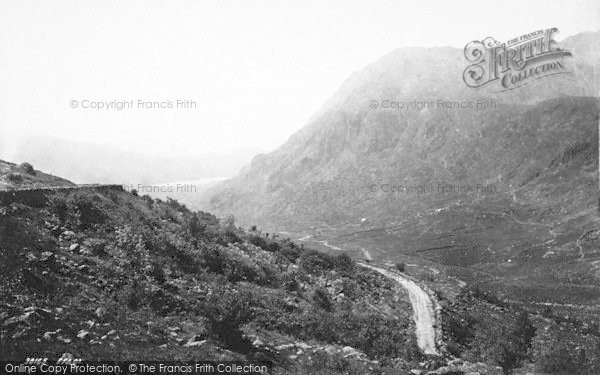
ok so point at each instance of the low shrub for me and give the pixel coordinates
(322, 300)
(88, 213)
(343, 263)
(14, 177)
(291, 253)
(227, 311)
(315, 262)
(258, 241)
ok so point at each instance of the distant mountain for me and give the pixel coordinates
(91, 163)
(523, 175)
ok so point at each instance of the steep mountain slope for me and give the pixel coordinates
(509, 191)
(335, 143)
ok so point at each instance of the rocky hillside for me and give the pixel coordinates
(22, 176)
(106, 274)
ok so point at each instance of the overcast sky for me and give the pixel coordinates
(257, 70)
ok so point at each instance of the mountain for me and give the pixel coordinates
(92, 163)
(506, 195)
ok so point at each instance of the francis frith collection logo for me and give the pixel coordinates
(514, 63)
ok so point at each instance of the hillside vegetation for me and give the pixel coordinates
(108, 274)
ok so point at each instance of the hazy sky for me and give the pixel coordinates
(257, 70)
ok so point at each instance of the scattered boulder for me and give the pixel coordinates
(192, 342)
(27, 168)
(82, 334)
(285, 347)
(46, 256)
(48, 335)
(100, 312)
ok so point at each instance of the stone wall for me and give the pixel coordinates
(37, 196)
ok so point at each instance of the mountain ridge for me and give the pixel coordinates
(537, 148)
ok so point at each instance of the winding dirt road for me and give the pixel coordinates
(423, 313)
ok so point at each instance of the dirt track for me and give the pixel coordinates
(423, 313)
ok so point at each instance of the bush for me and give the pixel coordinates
(559, 360)
(96, 245)
(231, 237)
(258, 241)
(227, 311)
(315, 262)
(488, 297)
(273, 247)
(241, 270)
(514, 347)
(158, 273)
(88, 213)
(214, 260)
(290, 253)
(321, 299)
(195, 226)
(289, 282)
(400, 267)
(14, 177)
(462, 332)
(343, 263)
(148, 200)
(58, 206)
(318, 324)
(133, 295)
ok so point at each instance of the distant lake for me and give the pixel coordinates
(175, 188)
